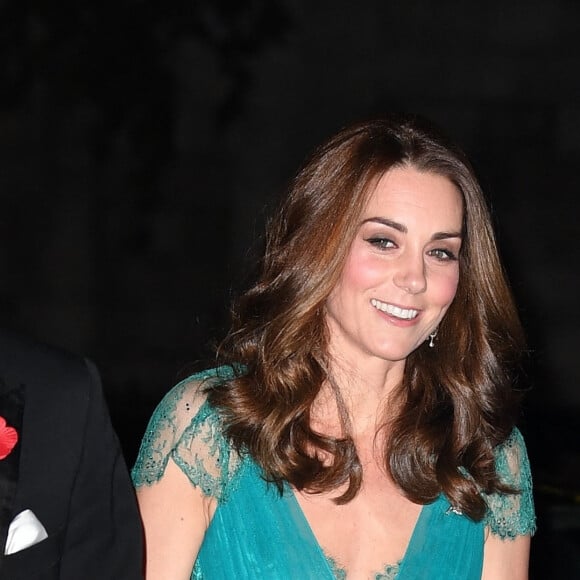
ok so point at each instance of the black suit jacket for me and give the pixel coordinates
(67, 467)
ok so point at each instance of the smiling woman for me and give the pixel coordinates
(401, 272)
(362, 421)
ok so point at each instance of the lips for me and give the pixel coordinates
(396, 311)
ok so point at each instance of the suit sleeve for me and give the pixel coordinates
(104, 534)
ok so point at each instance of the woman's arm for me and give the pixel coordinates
(506, 559)
(175, 517)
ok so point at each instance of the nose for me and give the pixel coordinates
(410, 274)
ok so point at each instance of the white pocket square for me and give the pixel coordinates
(25, 530)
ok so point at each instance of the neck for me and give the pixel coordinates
(366, 395)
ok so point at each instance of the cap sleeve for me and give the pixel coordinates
(511, 515)
(185, 428)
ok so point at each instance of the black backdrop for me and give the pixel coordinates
(143, 143)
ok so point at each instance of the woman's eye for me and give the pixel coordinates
(381, 243)
(443, 254)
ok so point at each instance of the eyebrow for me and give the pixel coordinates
(403, 229)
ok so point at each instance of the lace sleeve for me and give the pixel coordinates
(511, 515)
(185, 428)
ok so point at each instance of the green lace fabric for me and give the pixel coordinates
(389, 573)
(186, 429)
(512, 515)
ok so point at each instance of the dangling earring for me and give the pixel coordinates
(432, 338)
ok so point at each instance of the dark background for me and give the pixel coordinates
(143, 143)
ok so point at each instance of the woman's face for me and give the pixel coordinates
(402, 270)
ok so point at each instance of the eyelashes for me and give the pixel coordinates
(444, 254)
(381, 243)
(384, 243)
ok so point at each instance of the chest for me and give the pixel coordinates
(368, 533)
(258, 533)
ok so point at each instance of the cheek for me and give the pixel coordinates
(358, 275)
(361, 271)
(447, 288)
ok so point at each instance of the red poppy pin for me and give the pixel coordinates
(8, 438)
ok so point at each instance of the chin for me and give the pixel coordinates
(392, 355)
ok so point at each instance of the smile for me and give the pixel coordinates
(403, 313)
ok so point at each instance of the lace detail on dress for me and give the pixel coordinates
(338, 572)
(511, 515)
(389, 572)
(185, 428)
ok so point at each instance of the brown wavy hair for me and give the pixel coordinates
(456, 401)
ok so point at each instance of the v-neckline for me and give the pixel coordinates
(290, 497)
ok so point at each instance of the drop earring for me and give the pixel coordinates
(432, 338)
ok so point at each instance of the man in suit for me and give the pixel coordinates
(62, 472)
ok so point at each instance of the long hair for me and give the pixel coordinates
(456, 401)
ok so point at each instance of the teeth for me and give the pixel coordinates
(405, 313)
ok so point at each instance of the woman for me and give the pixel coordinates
(361, 424)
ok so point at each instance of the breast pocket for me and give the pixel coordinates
(39, 562)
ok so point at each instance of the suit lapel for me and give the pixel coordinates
(12, 409)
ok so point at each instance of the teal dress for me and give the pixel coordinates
(256, 532)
